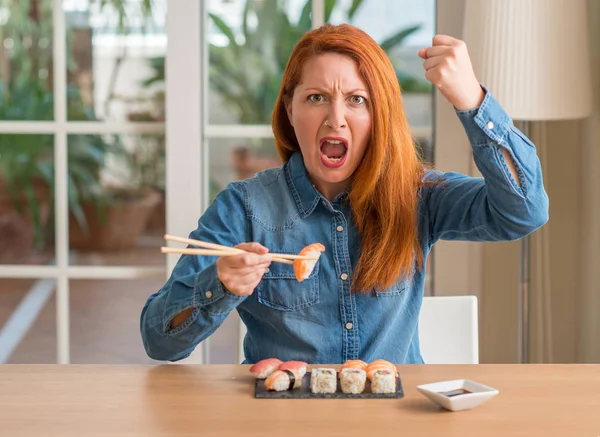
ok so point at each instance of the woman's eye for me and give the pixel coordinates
(357, 100)
(315, 98)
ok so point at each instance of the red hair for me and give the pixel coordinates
(384, 190)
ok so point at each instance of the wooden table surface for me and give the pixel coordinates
(218, 400)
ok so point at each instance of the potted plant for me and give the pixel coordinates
(247, 75)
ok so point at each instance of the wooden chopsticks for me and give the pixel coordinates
(211, 249)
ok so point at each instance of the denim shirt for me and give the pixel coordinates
(321, 320)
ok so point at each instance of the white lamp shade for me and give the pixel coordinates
(533, 55)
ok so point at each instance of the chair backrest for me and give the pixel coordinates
(448, 330)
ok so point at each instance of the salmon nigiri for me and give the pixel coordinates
(265, 367)
(304, 267)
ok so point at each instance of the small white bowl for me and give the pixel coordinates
(442, 393)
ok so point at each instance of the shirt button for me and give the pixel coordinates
(339, 228)
(344, 276)
(490, 125)
(208, 294)
(349, 326)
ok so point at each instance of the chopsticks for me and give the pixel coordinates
(211, 249)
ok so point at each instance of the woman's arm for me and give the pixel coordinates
(193, 303)
(509, 202)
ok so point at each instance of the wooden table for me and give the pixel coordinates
(189, 400)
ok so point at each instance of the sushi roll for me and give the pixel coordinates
(265, 367)
(281, 380)
(353, 380)
(383, 381)
(323, 380)
(380, 365)
(302, 267)
(299, 366)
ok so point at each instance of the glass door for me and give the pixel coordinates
(243, 48)
(82, 177)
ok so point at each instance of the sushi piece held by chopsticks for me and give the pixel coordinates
(304, 267)
(211, 249)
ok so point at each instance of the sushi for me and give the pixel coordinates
(265, 367)
(302, 267)
(299, 366)
(383, 381)
(354, 364)
(281, 380)
(352, 380)
(380, 365)
(323, 380)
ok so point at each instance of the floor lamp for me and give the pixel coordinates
(533, 57)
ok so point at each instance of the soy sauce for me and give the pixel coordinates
(457, 392)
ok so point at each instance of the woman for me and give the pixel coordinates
(353, 181)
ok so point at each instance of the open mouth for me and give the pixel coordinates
(334, 151)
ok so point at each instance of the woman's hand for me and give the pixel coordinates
(241, 273)
(448, 67)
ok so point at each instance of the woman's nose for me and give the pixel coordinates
(337, 116)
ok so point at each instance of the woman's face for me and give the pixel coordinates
(331, 120)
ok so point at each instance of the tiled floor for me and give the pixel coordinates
(104, 318)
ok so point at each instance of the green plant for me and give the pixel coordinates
(26, 93)
(247, 74)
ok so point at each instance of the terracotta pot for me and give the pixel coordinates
(113, 227)
(17, 228)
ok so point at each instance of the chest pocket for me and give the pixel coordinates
(397, 289)
(280, 290)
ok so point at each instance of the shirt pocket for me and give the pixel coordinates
(397, 289)
(279, 288)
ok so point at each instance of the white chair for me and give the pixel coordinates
(448, 330)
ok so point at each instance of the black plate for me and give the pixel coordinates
(303, 392)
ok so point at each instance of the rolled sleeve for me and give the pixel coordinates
(209, 294)
(488, 122)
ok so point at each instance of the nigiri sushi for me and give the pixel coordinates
(265, 367)
(281, 380)
(299, 366)
(303, 267)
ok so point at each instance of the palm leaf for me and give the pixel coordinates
(329, 5)
(356, 4)
(224, 28)
(304, 21)
(396, 39)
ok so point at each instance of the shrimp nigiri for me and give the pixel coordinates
(303, 267)
(265, 367)
(380, 365)
(281, 380)
(299, 366)
(354, 364)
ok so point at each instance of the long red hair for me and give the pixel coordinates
(384, 190)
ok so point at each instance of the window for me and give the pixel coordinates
(247, 45)
(82, 184)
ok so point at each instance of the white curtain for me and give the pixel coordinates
(554, 306)
(589, 292)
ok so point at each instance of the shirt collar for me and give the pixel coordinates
(305, 194)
